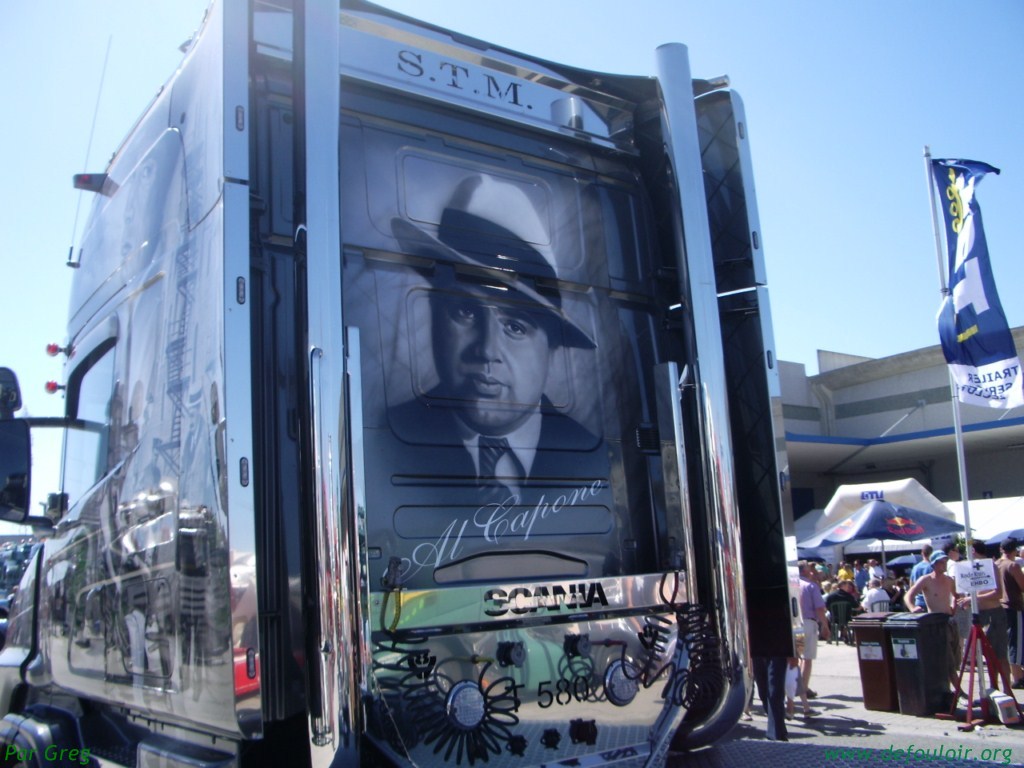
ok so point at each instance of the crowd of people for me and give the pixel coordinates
(867, 587)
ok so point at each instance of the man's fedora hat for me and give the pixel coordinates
(484, 225)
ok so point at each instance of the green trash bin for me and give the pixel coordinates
(874, 656)
(920, 652)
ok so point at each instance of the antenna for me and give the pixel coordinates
(88, 151)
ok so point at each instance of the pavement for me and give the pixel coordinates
(843, 732)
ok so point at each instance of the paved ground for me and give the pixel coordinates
(844, 733)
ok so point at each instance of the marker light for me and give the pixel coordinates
(89, 182)
(53, 387)
(56, 349)
(465, 705)
(621, 682)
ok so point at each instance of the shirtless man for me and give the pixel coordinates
(939, 591)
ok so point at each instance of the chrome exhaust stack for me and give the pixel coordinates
(722, 594)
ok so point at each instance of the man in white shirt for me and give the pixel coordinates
(876, 570)
(875, 597)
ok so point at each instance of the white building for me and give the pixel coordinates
(863, 420)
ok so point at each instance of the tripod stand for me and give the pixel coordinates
(976, 640)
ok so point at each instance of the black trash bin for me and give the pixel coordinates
(874, 655)
(920, 652)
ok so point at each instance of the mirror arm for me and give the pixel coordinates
(38, 521)
(51, 421)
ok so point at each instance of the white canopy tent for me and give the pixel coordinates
(893, 547)
(988, 516)
(849, 498)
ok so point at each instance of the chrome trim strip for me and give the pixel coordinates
(237, 399)
(323, 718)
(765, 317)
(680, 127)
(238, 407)
(561, 600)
(753, 223)
(237, 403)
(235, 123)
(673, 455)
(335, 726)
(354, 398)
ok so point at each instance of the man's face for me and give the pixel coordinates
(494, 358)
(939, 566)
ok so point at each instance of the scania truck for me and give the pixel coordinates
(421, 410)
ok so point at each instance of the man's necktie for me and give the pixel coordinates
(492, 449)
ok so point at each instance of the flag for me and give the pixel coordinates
(975, 336)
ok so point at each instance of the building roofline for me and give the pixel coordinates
(885, 367)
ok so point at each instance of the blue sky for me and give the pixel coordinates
(840, 98)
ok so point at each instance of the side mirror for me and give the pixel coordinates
(15, 470)
(10, 393)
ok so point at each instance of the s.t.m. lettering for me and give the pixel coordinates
(459, 77)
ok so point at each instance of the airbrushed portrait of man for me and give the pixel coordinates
(495, 338)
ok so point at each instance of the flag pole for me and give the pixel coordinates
(958, 430)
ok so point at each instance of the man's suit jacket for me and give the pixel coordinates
(565, 449)
(426, 504)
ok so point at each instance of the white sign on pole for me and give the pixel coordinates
(975, 577)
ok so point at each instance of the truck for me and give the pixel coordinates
(421, 410)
